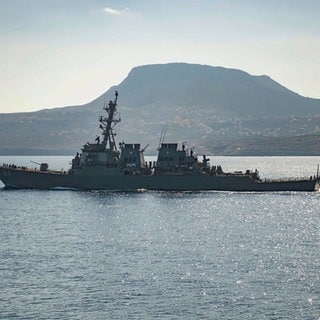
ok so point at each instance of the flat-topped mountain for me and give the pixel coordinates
(214, 109)
(227, 92)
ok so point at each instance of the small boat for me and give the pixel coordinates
(103, 165)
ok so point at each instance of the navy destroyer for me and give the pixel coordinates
(103, 165)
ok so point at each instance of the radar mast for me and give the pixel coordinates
(108, 123)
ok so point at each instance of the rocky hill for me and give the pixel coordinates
(216, 110)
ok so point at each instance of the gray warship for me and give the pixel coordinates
(104, 166)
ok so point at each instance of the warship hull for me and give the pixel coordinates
(16, 178)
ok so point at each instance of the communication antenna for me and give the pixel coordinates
(162, 135)
(108, 123)
(143, 149)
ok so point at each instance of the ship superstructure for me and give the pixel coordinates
(103, 156)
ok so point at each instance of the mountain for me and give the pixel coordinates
(227, 92)
(217, 110)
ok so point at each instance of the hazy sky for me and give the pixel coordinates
(68, 52)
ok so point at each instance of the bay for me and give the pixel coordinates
(146, 255)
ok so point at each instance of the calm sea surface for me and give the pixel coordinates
(203, 255)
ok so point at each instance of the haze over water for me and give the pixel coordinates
(204, 255)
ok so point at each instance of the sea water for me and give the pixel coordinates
(149, 255)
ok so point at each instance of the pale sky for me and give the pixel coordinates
(56, 53)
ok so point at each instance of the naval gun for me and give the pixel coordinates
(43, 166)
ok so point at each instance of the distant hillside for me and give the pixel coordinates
(227, 92)
(217, 110)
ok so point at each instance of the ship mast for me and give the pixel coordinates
(108, 123)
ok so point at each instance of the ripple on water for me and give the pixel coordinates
(99, 255)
